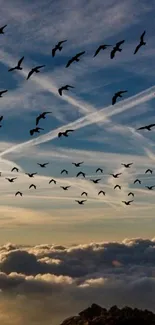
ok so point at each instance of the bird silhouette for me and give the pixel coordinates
(52, 180)
(84, 193)
(147, 127)
(35, 130)
(32, 185)
(11, 180)
(99, 169)
(66, 87)
(101, 47)
(2, 92)
(150, 187)
(131, 193)
(64, 171)
(81, 173)
(95, 181)
(127, 165)
(117, 186)
(2, 29)
(15, 168)
(80, 202)
(58, 47)
(116, 48)
(116, 175)
(31, 175)
(65, 133)
(118, 94)
(127, 202)
(36, 69)
(41, 116)
(20, 193)
(148, 171)
(65, 188)
(78, 164)
(18, 66)
(74, 58)
(137, 181)
(1, 118)
(101, 192)
(43, 165)
(141, 43)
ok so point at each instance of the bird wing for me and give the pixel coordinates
(53, 52)
(120, 43)
(38, 119)
(112, 54)
(30, 73)
(142, 36)
(69, 62)
(40, 66)
(31, 132)
(151, 125)
(59, 134)
(142, 128)
(3, 91)
(69, 131)
(114, 99)
(20, 61)
(60, 91)
(11, 69)
(79, 54)
(137, 48)
(61, 42)
(98, 50)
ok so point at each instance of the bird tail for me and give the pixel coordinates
(60, 48)
(120, 50)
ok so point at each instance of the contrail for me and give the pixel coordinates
(89, 119)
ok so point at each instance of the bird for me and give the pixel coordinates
(80, 202)
(116, 48)
(2, 92)
(18, 66)
(150, 187)
(15, 168)
(35, 130)
(81, 173)
(32, 185)
(65, 133)
(95, 181)
(30, 175)
(64, 171)
(41, 116)
(58, 47)
(1, 118)
(78, 164)
(148, 170)
(35, 69)
(116, 175)
(117, 186)
(127, 165)
(2, 29)
(147, 127)
(11, 180)
(86, 194)
(42, 165)
(101, 192)
(52, 180)
(99, 169)
(74, 58)
(137, 181)
(130, 194)
(65, 188)
(141, 43)
(20, 193)
(127, 202)
(66, 87)
(116, 95)
(101, 47)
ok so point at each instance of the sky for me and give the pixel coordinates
(105, 136)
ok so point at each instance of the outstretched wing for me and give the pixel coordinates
(114, 99)
(142, 36)
(38, 119)
(53, 52)
(137, 48)
(69, 62)
(20, 61)
(30, 73)
(60, 91)
(98, 50)
(79, 54)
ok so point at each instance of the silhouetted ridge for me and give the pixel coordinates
(96, 315)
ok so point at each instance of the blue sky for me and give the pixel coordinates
(105, 136)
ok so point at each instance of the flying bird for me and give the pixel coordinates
(80, 202)
(95, 181)
(150, 187)
(20, 193)
(41, 116)
(65, 133)
(52, 180)
(81, 173)
(35, 130)
(11, 180)
(18, 66)
(148, 171)
(127, 165)
(141, 43)
(1, 118)
(131, 193)
(78, 164)
(118, 94)
(65, 188)
(58, 47)
(116, 175)
(84, 193)
(74, 58)
(30, 175)
(101, 192)
(2, 29)
(15, 168)
(127, 202)
(117, 186)
(32, 185)
(42, 165)
(64, 171)
(99, 169)
(137, 181)
(36, 69)
(116, 48)
(147, 127)
(2, 92)
(101, 47)
(66, 87)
